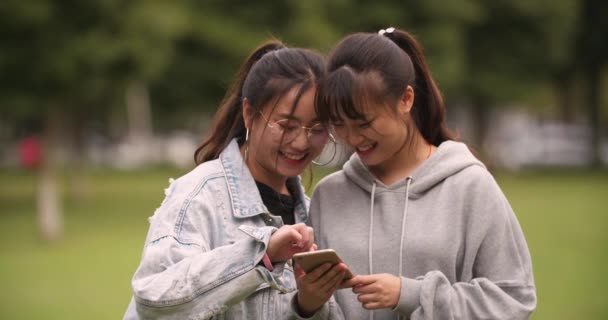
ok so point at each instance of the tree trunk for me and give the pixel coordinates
(480, 107)
(138, 112)
(593, 101)
(50, 216)
(562, 84)
(79, 189)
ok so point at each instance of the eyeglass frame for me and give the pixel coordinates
(300, 127)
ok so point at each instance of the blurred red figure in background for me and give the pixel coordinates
(30, 152)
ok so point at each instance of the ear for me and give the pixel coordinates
(248, 113)
(407, 101)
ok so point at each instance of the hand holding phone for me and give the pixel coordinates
(311, 260)
(316, 280)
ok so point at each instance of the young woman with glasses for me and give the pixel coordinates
(221, 243)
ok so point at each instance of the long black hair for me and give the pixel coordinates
(368, 69)
(269, 72)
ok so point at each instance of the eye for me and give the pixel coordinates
(318, 129)
(288, 124)
(365, 125)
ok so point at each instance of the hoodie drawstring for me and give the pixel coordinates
(407, 197)
(371, 232)
(370, 239)
(371, 229)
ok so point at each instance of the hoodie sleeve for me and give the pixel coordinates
(502, 284)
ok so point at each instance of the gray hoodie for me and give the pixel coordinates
(447, 230)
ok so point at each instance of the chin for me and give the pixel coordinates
(370, 162)
(290, 172)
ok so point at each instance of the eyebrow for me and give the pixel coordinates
(291, 117)
(358, 120)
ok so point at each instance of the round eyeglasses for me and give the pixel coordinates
(290, 129)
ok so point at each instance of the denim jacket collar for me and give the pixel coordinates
(244, 194)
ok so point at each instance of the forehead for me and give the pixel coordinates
(304, 110)
(364, 110)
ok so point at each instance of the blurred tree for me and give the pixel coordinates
(591, 56)
(67, 62)
(510, 52)
(218, 37)
(438, 25)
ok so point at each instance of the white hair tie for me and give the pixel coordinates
(387, 30)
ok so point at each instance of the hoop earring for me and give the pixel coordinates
(246, 144)
(333, 146)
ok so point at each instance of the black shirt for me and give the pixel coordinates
(277, 203)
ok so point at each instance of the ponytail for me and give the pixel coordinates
(366, 69)
(228, 121)
(429, 109)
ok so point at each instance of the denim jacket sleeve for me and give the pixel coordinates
(183, 274)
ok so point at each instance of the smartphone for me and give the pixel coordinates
(309, 261)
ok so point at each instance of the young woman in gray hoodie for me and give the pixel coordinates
(413, 213)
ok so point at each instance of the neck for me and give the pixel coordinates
(404, 162)
(270, 178)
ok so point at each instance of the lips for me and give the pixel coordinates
(366, 149)
(293, 158)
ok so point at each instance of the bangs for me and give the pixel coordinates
(347, 94)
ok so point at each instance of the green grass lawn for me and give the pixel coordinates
(86, 274)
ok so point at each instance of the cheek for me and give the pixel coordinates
(270, 146)
(315, 151)
(392, 130)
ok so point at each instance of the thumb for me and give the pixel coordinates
(298, 272)
(294, 237)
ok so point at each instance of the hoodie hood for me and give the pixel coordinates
(450, 158)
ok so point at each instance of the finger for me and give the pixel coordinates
(313, 247)
(332, 278)
(310, 236)
(318, 272)
(364, 289)
(366, 279)
(344, 285)
(367, 298)
(354, 281)
(329, 279)
(338, 283)
(298, 272)
(372, 305)
(294, 237)
(333, 283)
(302, 229)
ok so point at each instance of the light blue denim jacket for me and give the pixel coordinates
(203, 248)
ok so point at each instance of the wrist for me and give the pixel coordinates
(305, 310)
(266, 261)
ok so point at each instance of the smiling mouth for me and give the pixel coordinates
(365, 148)
(294, 156)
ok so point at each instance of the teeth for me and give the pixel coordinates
(294, 156)
(365, 148)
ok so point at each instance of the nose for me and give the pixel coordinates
(301, 142)
(353, 137)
